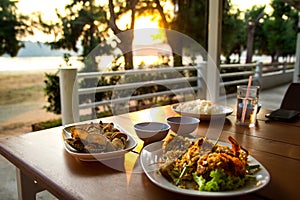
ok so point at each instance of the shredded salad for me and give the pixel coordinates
(205, 166)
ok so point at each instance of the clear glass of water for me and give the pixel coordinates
(247, 105)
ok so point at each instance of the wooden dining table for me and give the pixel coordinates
(43, 163)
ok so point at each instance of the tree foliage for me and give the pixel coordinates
(191, 20)
(279, 32)
(91, 23)
(13, 27)
(83, 22)
(233, 33)
(53, 93)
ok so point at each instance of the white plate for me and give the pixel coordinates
(131, 144)
(224, 111)
(151, 155)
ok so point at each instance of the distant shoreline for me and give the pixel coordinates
(27, 72)
(38, 64)
(40, 49)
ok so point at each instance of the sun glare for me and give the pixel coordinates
(146, 22)
(148, 43)
(147, 31)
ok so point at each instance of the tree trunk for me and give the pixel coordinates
(126, 37)
(251, 30)
(251, 25)
(128, 60)
(175, 44)
(239, 57)
(125, 46)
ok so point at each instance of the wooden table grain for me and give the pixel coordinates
(43, 163)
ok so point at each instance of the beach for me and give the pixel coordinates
(22, 100)
(21, 104)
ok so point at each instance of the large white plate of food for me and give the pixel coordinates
(97, 141)
(202, 168)
(202, 109)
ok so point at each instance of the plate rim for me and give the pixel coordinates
(132, 143)
(170, 187)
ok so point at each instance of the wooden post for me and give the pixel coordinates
(27, 187)
(297, 63)
(214, 46)
(69, 95)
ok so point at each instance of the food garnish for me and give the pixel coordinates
(205, 166)
(96, 138)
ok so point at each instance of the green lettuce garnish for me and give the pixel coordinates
(219, 181)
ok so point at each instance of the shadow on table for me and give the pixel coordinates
(94, 168)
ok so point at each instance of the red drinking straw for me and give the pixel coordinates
(246, 99)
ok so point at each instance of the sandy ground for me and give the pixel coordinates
(21, 105)
(21, 101)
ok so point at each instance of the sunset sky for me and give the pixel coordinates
(47, 8)
(247, 4)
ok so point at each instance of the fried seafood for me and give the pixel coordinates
(192, 167)
(96, 138)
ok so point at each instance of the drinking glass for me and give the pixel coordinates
(247, 104)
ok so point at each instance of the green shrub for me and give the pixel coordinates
(52, 92)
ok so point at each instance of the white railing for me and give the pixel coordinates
(174, 79)
(231, 74)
